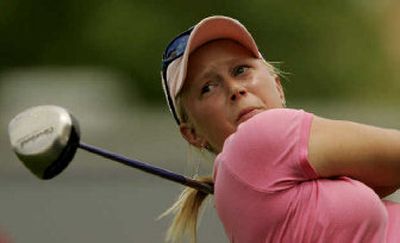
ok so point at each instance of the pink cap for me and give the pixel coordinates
(208, 29)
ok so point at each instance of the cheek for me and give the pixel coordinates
(210, 121)
(266, 90)
(210, 114)
(200, 113)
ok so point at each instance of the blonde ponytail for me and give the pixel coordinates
(186, 210)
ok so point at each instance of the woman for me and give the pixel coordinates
(280, 175)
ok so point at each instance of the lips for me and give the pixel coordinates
(246, 114)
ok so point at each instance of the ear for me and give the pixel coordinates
(190, 135)
(279, 87)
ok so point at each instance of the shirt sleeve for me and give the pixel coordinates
(269, 152)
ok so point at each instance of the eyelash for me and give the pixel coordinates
(205, 87)
(237, 68)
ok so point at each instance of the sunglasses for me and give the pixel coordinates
(174, 50)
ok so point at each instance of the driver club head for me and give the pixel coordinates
(45, 138)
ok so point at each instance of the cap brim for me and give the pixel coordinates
(209, 29)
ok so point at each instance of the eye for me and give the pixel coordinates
(207, 87)
(240, 70)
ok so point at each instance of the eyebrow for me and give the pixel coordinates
(206, 74)
(233, 61)
(209, 73)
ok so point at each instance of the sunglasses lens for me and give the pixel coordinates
(176, 48)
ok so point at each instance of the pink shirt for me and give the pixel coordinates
(266, 190)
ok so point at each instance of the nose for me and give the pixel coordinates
(237, 91)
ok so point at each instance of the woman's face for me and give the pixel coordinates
(225, 86)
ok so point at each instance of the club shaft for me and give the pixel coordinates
(166, 174)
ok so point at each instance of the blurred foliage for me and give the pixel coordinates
(331, 48)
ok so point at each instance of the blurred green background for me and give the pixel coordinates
(333, 49)
(101, 60)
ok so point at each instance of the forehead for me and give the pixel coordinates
(215, 54)
(219, 47)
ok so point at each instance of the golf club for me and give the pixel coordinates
(45, 138)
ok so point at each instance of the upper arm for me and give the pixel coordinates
(366, 153)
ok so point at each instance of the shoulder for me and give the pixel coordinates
(273, 125)
(274, 119)
(269, 135)
(277, 139)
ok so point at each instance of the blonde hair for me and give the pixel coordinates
(186, 210)
(188, 205)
